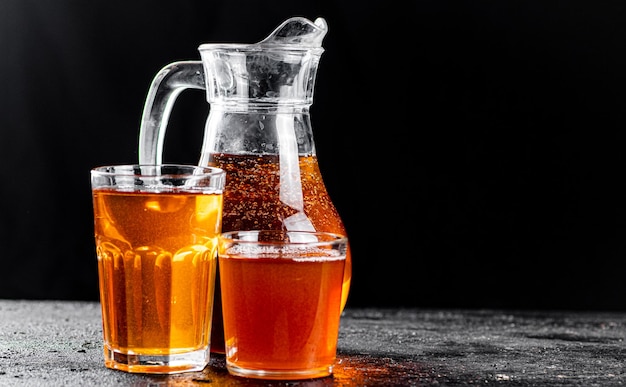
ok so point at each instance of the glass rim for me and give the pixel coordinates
(238, 236)
(156, 170)
(254, 48)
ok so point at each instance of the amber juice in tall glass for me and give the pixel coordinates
(156, 264)
(281, 307)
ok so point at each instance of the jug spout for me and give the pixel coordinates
(298, 31)
(279, 70)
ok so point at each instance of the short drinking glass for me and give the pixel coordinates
(281, 302)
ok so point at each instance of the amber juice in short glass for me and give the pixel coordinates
(156, 242)
(281, 301)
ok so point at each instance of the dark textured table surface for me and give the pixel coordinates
(53, 343)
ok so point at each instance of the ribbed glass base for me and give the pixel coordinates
(157, 364)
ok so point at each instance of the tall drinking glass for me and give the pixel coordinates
(156, 229)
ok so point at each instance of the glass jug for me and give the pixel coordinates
(258, 130)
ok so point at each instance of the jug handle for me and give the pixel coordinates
(169, 82)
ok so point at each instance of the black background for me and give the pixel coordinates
(475, 149)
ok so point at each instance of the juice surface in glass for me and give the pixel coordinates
(281, 315)
(257, 197)
(156, 266)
